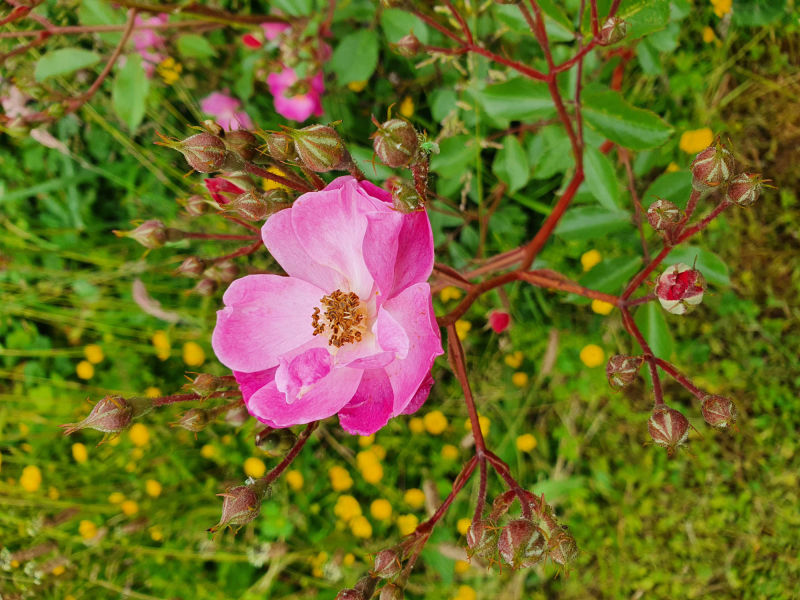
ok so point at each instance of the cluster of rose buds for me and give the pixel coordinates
(715, 168)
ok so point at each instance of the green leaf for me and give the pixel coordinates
(511, 164)
(63, 61)
(356, 57)
(550, 152)
(608, 276)
(601, 178)
(644, 16)
(373, 169)
(631, 127)
(651, 322)
(757, 13)
(455, 155)
(709, 264)
(586, 222)
(398, 23)
(98, 12)
(675, 187)
(518, 99)
(192, 45)
(129, 93)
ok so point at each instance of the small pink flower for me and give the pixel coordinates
(273, 30)
(351, 330)
(298, 106)
(148, 43)
(225, 110)
(499, 321)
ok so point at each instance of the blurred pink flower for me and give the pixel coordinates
(225, 110)
(148, 43)
(273, 30)
(499, 321)
(351, 330)
(222, 191)
(298, 106)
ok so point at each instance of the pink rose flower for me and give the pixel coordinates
(225, 110)
(351, 330)
(147, 42)
(298, 106)
(273, 30)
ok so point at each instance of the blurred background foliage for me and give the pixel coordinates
(128, 519)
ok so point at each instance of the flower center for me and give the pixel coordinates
(344, 319)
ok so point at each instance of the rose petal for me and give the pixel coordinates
(371, 406)
(419, 396)
(250, 383)
(297, 374)
(264, 317)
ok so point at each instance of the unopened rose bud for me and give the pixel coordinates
(718, 411)
(621, 370)
(744, 189)
(668, 428)
(227, 270)
(563, 548)
(275, 442)
(320, 148)
(387, 564)
(663, 215)
(205, 287)
(408, 46)
(204, 384)
(711, 167)
(195, 419)
(680, 288)
(405, 198)
(613, 30)
(241, 142)
(195, 205)
(281, 147)
(252, 206)
(192, 266)
(111, 414)
(499, 321)
(236, 417)
(481, 538)
(501, 504)
(150, 234)
(521, 543)
(396, 142)
(241, 504)
(366, 586)
(204, 152)
(392, 591)
(349, 594)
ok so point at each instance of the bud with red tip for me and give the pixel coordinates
(396, 142)
(407, 46)
(613, 30)
(223, 190)
(680, 288)
(150, 234)
(711, 167)
(112, 414)
(241, 142)
(521, 544)
(387, 564)
(621, 370)
(499, 321)
(192, 266)
(392, 591)
(744, 189)
(668, 428)
(241, 504)
(320, 148)
(663, 215)
(718, 411)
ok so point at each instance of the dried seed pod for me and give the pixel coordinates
(718, 411)
(621, 370)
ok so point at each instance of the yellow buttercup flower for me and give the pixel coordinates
(592, 355)
(79, 453)
(193, 355)
(463, 525)
(461, 567)
(462, 329)
(449, 452)
(722, 7)
(58, 570)
(254, 467)
(435, 422)
(519, 379)
(695, 140)
(169, 70)
(590, 259)
(416, 425)
(672, 167)
(347, 508)
(526, 442)
(601, 307)
(84, 370)
(414, 497)
(449, 293)
(294, 479)
(207, 451)
(340, 478)
(87, 530)
(153, 488)
(407, 524)
(93, 353)
(366, 440)
(514, 360)
(161, 343)
(139, 434)
(465, 592)
(349, 559)
(407, 107)
(483, 422)
(708, 35)
(361, 527)
(378, 451)
(357, 86)
(31, 478)
(129, 507)
(372, 472)
(381, 509)
(152, 392)
(116, 497)
(156, 534)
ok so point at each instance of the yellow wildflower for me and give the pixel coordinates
(357, 86)
(139, 434)
(406, 524)
(79, 453)
(483, 422)
(416, 425)
(708, 35)
(592, 355)
(294, 479)
(435, 422)
(463, 525)
(462, 329)
(116, 498)
(85, 370)
(153, 488)
(93, 353)
(349, 559)
(152, 392)
(87, 529)
(449, 293)
(129, 507)
(378, 451)
(695, 140)
(519, 379)
(721, 7)
(193, 355)
(461, 567)
(449, 452)
(465, 592)
(361, 527)
(156, 534)
(514, 360)
(340, 478)
(208, 451)
(414, 497)
(347, 508)
(526, 442)
(601, 307)
(381, 509)
(58, 570)
(169, 70)
(53, 493)
(590, 259)
(366, 440)
(31, 478)
(672, 167)
(407, 107)
(160, 340)
(254, 467)
(372, 472)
